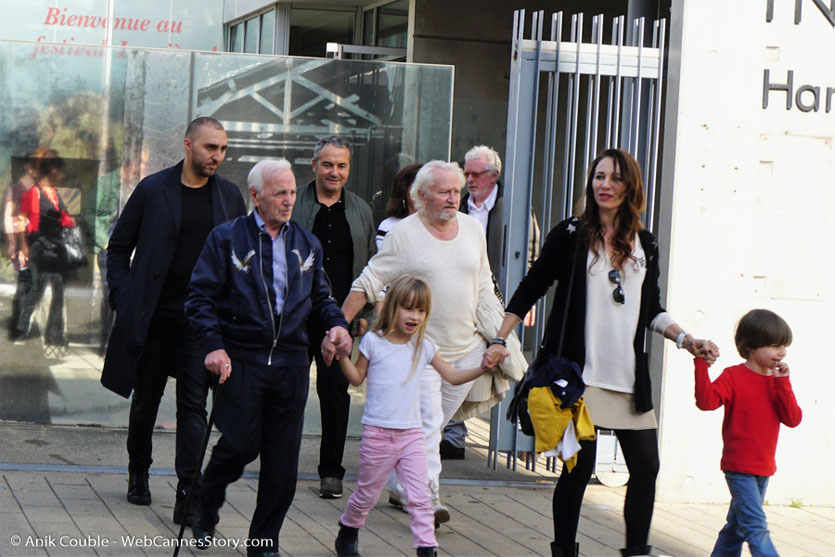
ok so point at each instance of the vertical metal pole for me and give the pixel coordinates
(589, 100)
(596, 103)
(573, 108)
(648, 138)
(636, 91)
(618, 111)
(656, 132)
(536, 25)
(510, 158)
(549, 161)
(556, 35)
(608, 138)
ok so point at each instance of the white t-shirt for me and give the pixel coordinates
(392, 392)
(385, 227)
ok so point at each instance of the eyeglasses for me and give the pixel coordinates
(475, 175)
(617, 293)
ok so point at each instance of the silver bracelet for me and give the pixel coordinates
(680, 339)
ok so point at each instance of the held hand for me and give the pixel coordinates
(496, 354)
(328, 350)
(781, 370)
(338, 343)
(343, 341)
(219, 363)
(488, 363)
(701, 348)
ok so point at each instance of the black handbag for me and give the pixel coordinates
(548, 370)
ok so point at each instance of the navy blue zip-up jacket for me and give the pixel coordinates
(231, 298)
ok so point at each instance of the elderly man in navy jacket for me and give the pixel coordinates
(256, 283)
(163, 225)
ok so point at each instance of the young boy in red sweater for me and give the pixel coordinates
(758, 397)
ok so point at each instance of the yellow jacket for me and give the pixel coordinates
(550, 421)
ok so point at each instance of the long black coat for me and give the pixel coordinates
(149, 224)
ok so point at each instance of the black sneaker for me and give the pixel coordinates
(330, 488)
(203, 536)
(138, 491)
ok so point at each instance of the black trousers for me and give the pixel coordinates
(640, 450)
(170, 349)
(334, 407)
(258, 409)
(40, 278)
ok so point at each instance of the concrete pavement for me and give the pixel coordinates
(62, 492)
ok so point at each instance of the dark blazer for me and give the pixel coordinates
(231, 297)
(148, 229)
(555, 263)
(495, 232)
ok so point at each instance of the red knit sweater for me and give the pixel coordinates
(755, 406)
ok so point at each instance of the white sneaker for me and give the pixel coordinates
(395, 500)
(441, 512)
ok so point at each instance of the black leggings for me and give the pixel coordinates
(640, 449)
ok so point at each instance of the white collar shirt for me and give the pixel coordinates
(482, 214)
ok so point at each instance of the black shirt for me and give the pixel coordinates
(195, 224)
(331, 227)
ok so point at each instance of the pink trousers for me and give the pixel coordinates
(404, 450)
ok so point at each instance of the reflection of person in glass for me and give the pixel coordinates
(14, 225)
(46, 216)
(101, 212)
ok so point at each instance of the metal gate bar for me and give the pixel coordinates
(632, 121)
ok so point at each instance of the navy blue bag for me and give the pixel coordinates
(547, 370)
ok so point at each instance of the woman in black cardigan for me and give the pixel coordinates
(613, 300)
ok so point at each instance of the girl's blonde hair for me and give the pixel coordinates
(409, 292)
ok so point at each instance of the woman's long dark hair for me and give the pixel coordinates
(398, 203)
(628, 218)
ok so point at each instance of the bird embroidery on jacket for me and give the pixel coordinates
(243, 265)
(305, 265)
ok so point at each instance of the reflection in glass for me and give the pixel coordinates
(311, 29)
(267, 32)
(116, 115)
(368, 27)
(251, 36)
(236, 38)
(393, 24)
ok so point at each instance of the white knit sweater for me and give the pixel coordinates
(465, 310)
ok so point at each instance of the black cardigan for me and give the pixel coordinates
(554, 263)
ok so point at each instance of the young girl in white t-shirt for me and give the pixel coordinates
(391, 357)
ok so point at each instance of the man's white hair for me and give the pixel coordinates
(426, 177)
(488, 154)
(255, 179)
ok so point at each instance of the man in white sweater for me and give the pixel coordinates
(447, 249)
